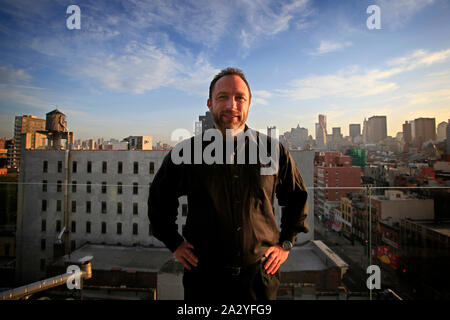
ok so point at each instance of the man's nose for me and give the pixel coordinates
(231, 103)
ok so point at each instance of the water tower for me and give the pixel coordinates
(56, 129)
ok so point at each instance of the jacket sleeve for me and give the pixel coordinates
(166, 188)
(292, 195)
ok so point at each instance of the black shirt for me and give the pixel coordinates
(230, 218)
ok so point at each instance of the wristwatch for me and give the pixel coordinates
(287, 245)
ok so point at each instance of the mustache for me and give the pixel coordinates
(230, 113)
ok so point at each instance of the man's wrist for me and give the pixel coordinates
(287, 245)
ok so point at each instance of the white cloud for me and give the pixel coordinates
(397, 13)
(331, 46)
(143, 67)
(13, 76)
(260, 97)
(420, 58)
(262, 20)
(353, 82)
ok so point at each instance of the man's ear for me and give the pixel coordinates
(208, 103)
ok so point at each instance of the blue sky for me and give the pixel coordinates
(144, 67)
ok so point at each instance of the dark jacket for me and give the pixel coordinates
(230, 216)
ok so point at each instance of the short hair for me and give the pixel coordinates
(227, 72)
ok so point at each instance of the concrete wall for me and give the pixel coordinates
(304, 161)
(407, 208)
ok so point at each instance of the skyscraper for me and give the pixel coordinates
(407, 132)
(441, 131)
(448, 137)
(376, 129)
(207, 121)
(424, 130)
(26, 135)
(321, 131)
(354, 130)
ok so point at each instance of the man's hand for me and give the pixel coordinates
(185, 255)
(276, 257)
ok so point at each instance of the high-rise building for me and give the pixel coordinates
(376, 129)
(296, 138)
(207, 121)
(26, 135)
(334, 178)
(321, 131)
(448, 138)
(139, 142)
(441, 131)
(407, 132)
(354, 130)
(337, 132)
(424, 130)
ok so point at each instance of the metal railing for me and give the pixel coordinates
(38, 286)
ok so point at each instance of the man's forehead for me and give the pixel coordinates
(231, 83)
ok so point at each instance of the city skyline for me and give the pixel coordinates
(143, 68)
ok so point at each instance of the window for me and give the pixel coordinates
(103, 227)
(104, 167)
(74, 167)
(119, 188)
(74, 206)
(135, 208)
(43, 225)
(44, 185)
(119, 228)
(88, 207)
(152, 168)
(73, 245)
(119, 167)
(103, 187)
(44, 205)
(184, 210)
(42, 265)
(59, 166)
(89, 167)
(103, 206)
(135, 188)
(135, 228)
(88, 187)
(119, 207)
(58, 225)
(88, 227)
(58, 186)
(58, 205)
(135, 167)
(73, 227)
(74, 186)
(45, 166)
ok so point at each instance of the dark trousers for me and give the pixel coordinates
(222, 284)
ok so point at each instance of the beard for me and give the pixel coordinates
(228, 120)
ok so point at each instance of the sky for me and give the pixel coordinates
(143, 67)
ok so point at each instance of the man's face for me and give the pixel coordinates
(229, 103)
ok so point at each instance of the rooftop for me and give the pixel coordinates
(107, 257)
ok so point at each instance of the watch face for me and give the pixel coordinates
(287, 245)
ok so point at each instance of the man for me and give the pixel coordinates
(232, 248)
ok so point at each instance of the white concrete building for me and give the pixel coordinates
(101, 198)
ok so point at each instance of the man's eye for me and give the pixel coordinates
(221, 97)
